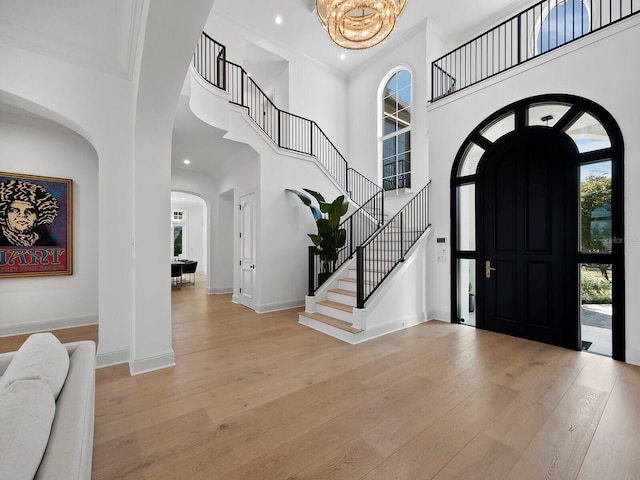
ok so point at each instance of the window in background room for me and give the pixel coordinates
(178, 218)
(396, 133)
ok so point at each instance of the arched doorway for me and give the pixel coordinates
(537, 206)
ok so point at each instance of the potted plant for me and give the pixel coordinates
(329, 238)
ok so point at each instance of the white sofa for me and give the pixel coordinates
(47, 408)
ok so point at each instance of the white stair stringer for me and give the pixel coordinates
(400, 301)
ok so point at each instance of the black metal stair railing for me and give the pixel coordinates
(288, 131)
(383, 252)
(297, 134)
(545, 26)
(359, 226)
(210, 61)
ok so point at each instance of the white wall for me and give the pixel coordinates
(36, 146)
(313, 92)
(127, 117)
(600, 68)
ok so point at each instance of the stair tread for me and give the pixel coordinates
(334, 322)
(336, 305)
(353, 280)
(342, 291)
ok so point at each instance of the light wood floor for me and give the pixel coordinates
(261, 397)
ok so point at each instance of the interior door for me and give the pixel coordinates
(523, 226)
(247, 223)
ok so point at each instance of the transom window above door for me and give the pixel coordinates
(586, 131)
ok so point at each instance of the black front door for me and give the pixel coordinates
(524, 228)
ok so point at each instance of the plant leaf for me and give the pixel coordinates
(302, 196)
(315, 195)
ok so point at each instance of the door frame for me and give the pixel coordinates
(249, 302)
(461, 176)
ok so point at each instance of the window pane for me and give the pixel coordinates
(546, 114)
(467, 291)
(469, 163)
(565, 21)
(404, 163)
(589, 134)
(404, 117)
(466, 217)
(177, 240)
(595, 207)
(389, 183)
(596, 311)
(404, 142)
(388, 148)
(389, 125)
(404, 97)
(404, 180)
(500, 127)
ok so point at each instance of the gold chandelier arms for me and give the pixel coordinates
(359, 24)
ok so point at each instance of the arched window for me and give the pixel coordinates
(564, 22)
(396, 132)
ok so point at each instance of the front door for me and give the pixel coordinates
(247, 223)
(524, 225)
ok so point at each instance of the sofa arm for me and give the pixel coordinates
(69, 453)
(5, 360)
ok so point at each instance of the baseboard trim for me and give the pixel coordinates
(219, 291)
(11, 330)
(278, 306)
(150, 364)
(115, 357)
(632, 356)
(441, 315)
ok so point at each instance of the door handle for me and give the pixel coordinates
(487, 269)
(252, 267)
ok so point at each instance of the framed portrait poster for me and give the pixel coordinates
(35, 225)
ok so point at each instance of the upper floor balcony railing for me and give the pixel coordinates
(541, 28)
(288, 131)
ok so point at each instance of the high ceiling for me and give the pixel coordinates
(455, 20)
(102, 35)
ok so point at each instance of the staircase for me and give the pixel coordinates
(375, 248)
(338, 309)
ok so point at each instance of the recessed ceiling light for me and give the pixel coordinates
(187, 162)
(342, 56)
(278, 20)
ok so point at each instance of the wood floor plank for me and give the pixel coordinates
(433, 448)
(287, 459)
(517, 424)
(558, 449)
(483, 458)
(613, 452)
(261, 397)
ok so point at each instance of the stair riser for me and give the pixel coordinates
(351, 286)
(335, 313)
(346, 299)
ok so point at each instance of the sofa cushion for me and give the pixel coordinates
(27, 409)
(40, 356)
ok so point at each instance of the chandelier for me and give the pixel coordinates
(358, 24)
